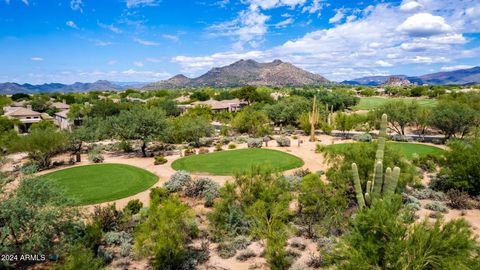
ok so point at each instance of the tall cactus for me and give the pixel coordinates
(313, 118)
(382, 183)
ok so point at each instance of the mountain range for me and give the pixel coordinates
(459, 77)
(243, 72)
(246, 72)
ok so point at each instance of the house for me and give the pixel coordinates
(182, 99)
(62, 121)
(229, 105)
(61, 106)
(25, 116)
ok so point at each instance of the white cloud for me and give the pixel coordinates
(457, 67)
(110, 27)
(24, 1)
(37, 59)
(424, 24)
(76, 5)
(71, 24)
(284, 23)
(134, 3)
(269, 4)
(409, 6)
(112, 62)
(366, 45)
(383, 63)
(171, 37)
(146, 42)
(339, 15)
(138, 63)
(314, 7)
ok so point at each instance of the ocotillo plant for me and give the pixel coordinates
(313, 118)
(381, 184)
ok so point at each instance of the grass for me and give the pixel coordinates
(98, 183)
(230, 162)
(407, 149)
(369, 103)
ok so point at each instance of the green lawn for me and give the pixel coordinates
(407, 149)
(369, 103)
(102, 182)
(229, 162)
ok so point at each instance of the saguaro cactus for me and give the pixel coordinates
(381, 183)
(313, 118)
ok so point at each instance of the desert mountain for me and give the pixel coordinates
(461, 76)
(102, 85)
(246, 72)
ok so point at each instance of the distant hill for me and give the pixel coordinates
(462, 77)
(102, 85)
(246, 72)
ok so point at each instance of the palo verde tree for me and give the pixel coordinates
(139, 123)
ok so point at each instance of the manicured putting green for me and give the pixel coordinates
(370, 103)
(98, 183)
(229, 162)
(407, 149)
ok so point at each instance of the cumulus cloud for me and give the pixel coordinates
(365, 45)
(269, 4)
(424, 24)
(146, 42)
(71, 24)
(284, 23)
(409, 6)
(135, 3)
(76, 5)
(315, 7)
(37, 59)
(23, 1)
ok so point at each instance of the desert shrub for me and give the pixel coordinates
(203, 150)
(133, 207)
(245, 255)
(255, 143)
(125, 249)
(283, 141)
(302, 172)
(232, 146)
(95, 155)
(159, 160)
(315, 261)
(226, 140)
(427, 193)
(400, 138)
(241, 242)
(80, 258)
(462, 167)
(218, 147)
(157, 195)
(427, 162)
(205, 141)
(108, 217)
(437, 207)
(117, 238)
(202, 187)
(321, 207)
(29, 168)
(165, 233)
(92, 236)
(411, 201)
(105, 254)
(125, 146)
(189, 152)
(398, 243)
(458, 199)
(226, 250)
(364, 137)
(178, 181)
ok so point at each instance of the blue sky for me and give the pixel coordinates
(149, 40)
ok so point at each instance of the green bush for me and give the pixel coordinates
(458, 199)
(29, 168)
(95, 155)
(125, 146)
(255, 143)
(218, 147)
(283, 141)
(232, 146)
(133, 207)
(364, 137)
(385, 237)
(437, 207)
(80, 258)
(159, 160)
